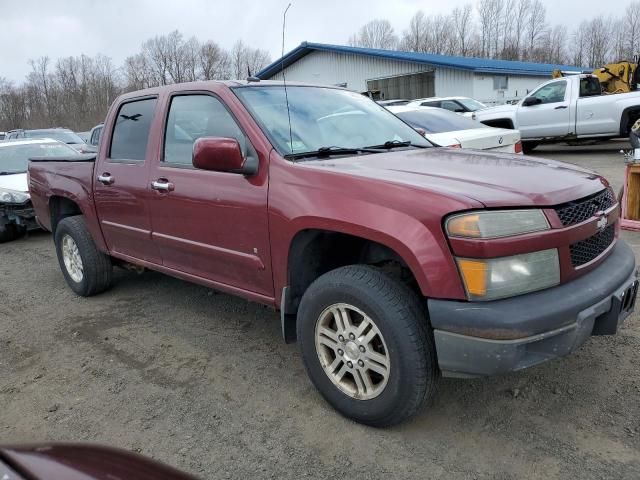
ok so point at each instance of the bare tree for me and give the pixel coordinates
(213, 62)
(413, 39)
(245, 60)
(463, 28)
(632, 30)
(375, 34)
(536, 23)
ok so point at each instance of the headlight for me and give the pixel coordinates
(11, 196)
(496, 224)
(494, 278)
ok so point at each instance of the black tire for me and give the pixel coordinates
(528, 147)
(7, 232)
(97, 267)
(402, 320)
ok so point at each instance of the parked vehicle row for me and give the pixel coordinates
(63, 135)
(392, 262)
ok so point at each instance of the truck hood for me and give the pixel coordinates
(495, 180)
(16, 182)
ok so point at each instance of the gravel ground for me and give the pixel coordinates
(203, 381)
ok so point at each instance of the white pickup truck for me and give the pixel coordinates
(571, 108)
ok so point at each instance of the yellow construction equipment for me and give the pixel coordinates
(620, 77)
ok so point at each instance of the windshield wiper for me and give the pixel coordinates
(328, 151)
(10, 173)
(390, 144)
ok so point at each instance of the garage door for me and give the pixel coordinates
(415, 85)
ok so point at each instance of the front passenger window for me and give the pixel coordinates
(192, 117)
(552, 93)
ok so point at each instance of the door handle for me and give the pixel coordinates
(561, 107)
(163, 185)
(106, 179)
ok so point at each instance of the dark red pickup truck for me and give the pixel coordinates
(391, 262)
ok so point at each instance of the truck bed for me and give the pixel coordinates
(68, 177)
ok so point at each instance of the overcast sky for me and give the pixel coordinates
(116, 28)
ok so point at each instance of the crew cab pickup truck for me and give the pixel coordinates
(392, 262)
(572, 108)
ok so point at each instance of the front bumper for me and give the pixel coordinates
(485, 338)
(23, 215)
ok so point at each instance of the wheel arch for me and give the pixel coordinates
(314, 251)
(500, 123)
(62, 205)
(628, 118)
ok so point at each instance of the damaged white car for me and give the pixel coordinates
(16, 212)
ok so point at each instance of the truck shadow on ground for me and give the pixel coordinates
(234, 334)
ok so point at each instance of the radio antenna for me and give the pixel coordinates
(284, 79)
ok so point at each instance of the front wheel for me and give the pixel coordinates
(366, 345)
(85, 268)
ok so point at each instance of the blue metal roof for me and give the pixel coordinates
(477, 65)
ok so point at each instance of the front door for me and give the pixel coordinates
(212, 225)
(121, 183)
(549, 118)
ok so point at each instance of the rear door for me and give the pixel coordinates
(121, 181)
(212, 225)
(551, 117)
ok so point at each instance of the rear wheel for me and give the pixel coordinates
(366, 345)
(85, 268)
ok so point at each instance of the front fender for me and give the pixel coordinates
(423, 249)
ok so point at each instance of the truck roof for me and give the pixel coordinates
(204, 84)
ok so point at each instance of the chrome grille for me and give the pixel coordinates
(586, 250)
(578, 211)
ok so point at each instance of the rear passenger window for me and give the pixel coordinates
(131, 131)
(192, 117)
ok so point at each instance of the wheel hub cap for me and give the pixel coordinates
(352, 351)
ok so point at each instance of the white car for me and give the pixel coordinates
(448, 129)
(16, 212)
(462, 105)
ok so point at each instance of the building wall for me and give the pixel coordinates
(353, 71)
(332, 68)
(518, 88)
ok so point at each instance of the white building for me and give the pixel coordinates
(393, 74)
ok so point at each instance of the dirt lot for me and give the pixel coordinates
(202, 381)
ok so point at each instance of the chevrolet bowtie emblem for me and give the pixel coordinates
(602, 223)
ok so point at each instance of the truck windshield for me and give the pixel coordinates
(15, 154)
(324, 119)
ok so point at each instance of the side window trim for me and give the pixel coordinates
(163, 163)
(130, 161)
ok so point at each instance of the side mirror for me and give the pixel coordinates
(421, 131)
(218, 154)
(529, 101)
